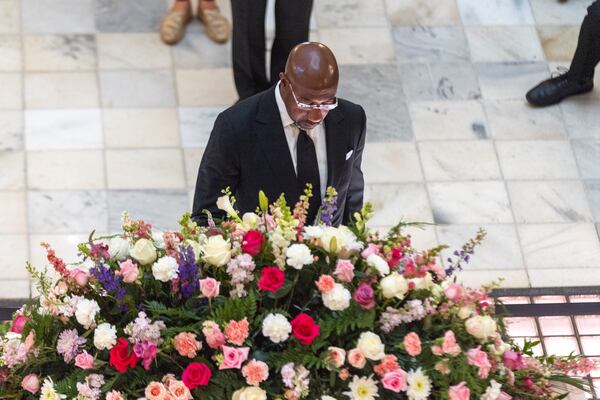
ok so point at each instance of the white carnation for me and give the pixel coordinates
(299, 255)
(337, 299)
(379, 264)
(118, 248)
(276, 327)
(313, 232)
(165, 269)
(158, 239)
(86, 311)
(105, 336)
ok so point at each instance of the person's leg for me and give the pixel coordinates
(292, 25)
(173, 25)
(217, 26)
(248, 46)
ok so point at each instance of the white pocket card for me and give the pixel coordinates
(349, 154)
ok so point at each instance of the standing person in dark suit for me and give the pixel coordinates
(296, 132)
(292, 20)
(580, 77)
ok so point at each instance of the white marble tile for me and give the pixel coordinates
(430, 120)
(206, 87)
(360, 45)
(192, 158)
(67, 211)
(132, 51)
(137, 88)
(549, 201)
(60, 52)
(70, 170)
(399, 202)
(454, 81)
(13, 257)
(559, 13)
(12, 92)
(13, 213)
(12, 165)
(417, 83)
(422, 12)
(63, 129)
(15, 289)
(509, 80)
(430, 44)
(147, 127)
(61, 90)
(560, 246)
(500, 249)
(587, 153)
(459, 160)
(196, 124)
(517, 278)
(422, 238)
(9, 16)
(495, 12)
(58, 16)
(11, 130)
(128, 169)
(559, 42)
(10, 53)
(539, 159)
(391, 162)
(197, 50)
(64, 244)
(470, 202)
(582, 118)
(116, 15)
(350, 13)
(514, 119)
(561, 277)
(504, 43)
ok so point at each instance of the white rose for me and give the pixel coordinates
(249, 393)
(423, 283)
(481, 327)
(466, 311)
(165, 269)
(276, 327)
(144, 252)
(299, 255)
(337, 299)
(118, 248)
(105, 336)
(86, 311)
(216, 251)
(250, 220)
(394, 285)
(492, 392)
(379, 264)
(371, 346)
(159, 240)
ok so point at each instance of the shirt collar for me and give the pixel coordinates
(285, 117)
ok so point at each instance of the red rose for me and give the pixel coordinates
(305, 329)
(271, 280)
(252, 243)
(196, 374)
(121, 358)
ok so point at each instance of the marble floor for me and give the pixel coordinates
(98, 116)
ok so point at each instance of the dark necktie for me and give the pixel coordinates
(308, 172)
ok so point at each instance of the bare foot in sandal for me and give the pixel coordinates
(173, 25)
(217, 26)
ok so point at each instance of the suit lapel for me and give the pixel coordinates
(336, 140)
(270, 133)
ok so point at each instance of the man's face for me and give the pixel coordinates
(295, 96)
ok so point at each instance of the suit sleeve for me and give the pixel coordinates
(219, 169)
(354, 197)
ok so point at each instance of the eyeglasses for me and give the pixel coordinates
(320, 107)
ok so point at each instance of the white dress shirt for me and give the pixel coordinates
(291, 134)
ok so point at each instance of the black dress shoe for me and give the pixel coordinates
(553, 90)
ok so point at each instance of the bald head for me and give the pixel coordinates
(313, 66)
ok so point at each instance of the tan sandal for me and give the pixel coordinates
(173, 26)
(217, 26)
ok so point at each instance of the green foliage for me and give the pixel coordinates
(236, 309)
(344, 322)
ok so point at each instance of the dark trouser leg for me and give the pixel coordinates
(292, 24)
(587, 54)
(248, 46)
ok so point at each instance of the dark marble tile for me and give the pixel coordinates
(129, 15)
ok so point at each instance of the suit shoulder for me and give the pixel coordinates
(349, 107)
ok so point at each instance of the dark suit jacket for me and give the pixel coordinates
(248, 152)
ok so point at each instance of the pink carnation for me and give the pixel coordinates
(344, 271)
(450, 346)
(325, 283)
(31, 383)
(213, 334)
(388, 363)
(236, 332)
(186, 344)
(454, 292)
(459, 392)
(513, 360)
(371, 249)
(234, 357)
(84, 360)
(114, 395)
(412, 344)
(255, 372)
(394, 380)
(479, 359)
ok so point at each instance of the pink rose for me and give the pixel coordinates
(356, 358)
(449, 346)
(513, 360)
(114, 395)
(364, 296)
(129, 271)
(479, 359)
(179, 391)
(336, 356)
(344, 271)
(412, 344)
(454, 292)
(18, 324)
(81, 277)
(209, 287)
(155, 391)
(31, 383)
(234, 357)
(84, 360)
(394, 380)
(214, 337)
(459, 392)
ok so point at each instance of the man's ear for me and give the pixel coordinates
(283, 79)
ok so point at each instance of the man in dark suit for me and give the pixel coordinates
(292, 21)
(295, 133)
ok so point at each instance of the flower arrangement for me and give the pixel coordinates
(262, 306)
